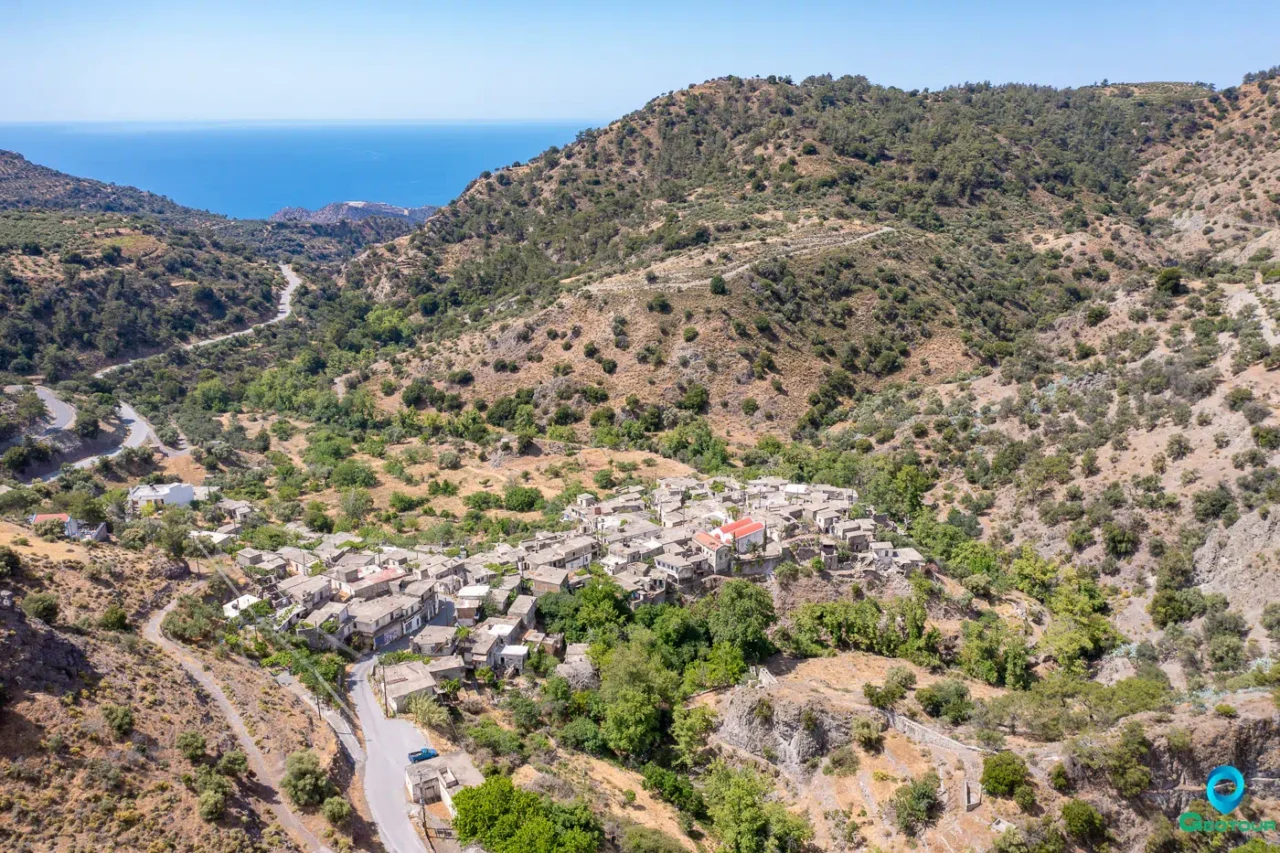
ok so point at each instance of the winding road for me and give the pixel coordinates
(62, 414)
(284, 814)
(139, 431)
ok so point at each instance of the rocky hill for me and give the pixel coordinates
(353, 211)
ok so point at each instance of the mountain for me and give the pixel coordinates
(352, 211)
(865, 235)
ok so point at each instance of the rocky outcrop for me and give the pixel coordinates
(353, 211)
(1232, 562)
(786, 732)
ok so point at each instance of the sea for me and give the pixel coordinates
(250, 171)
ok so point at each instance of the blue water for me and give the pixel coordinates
(252, 170)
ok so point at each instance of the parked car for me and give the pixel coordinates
(422, 755)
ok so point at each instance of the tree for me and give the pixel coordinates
(506, 819)
(42, 606)
(192, 745)
(631, 722)
(744, 821)
(233, 763)
(336, 810)
(1003, 773)
(10, 562)
(522, 499)
(1083, 822)
(356, 504)
(690, 730)
(915, 804)
(211, 804)
(741, 614)
(305, 781)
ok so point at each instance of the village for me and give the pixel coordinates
(475, 615)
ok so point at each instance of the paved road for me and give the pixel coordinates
(283, 312)
(140, 431)
(257, 762)
(62, 414)
(387, 744)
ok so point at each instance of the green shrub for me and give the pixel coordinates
(1003, 773)
(119, 718)
(336, 810)
(42, 606)
(916, 804)
(305, 781)
(947, 699)
(843, 761)
(192, 745)
(1083, 822)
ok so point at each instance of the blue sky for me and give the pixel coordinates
(85, 60)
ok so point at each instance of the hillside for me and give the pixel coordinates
(27, 186)
(93, 714)
(93, 273)
(770, 190)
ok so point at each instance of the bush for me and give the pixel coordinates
(522, 499)
(1058, 778)
(1082, 822)
(119, 718)
(947, 699)
(234, 763)
(843, 761)
(867, 732)
(1003, 773)
(42, 606)
(718, 286)
(305, 781)
(449, 460)
(114, 618)
(336, 810)
(10, 562)
(350, 473)
(1025, 797)
(211, 804)
(915, 805)
(192, 745)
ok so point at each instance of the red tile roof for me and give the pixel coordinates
(742, 527)
(51, 516)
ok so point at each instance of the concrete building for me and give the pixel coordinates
(165, 494)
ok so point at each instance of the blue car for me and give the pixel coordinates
(422, 755)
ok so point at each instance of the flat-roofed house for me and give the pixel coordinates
(403, 681)
(380, 621)
(333, 617)
(547, 580)
(161, 494)
(524, 608)
(513, 658)
(718, 552)
(436, 641)
(308, 591)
